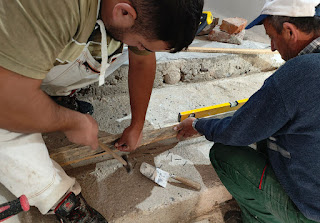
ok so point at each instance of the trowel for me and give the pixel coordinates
(161, 177)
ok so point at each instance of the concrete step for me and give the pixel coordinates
(191, 67)
(166, 102)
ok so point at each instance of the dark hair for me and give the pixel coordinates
(173, 21)
(305, 24)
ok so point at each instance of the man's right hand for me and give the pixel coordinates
(26, 108)
(85, 133)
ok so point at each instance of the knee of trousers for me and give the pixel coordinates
(226, 159)
(26, 168)
(216, 155)
(237, 164)
(225, 162)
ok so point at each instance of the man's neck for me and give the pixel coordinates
(304, 40)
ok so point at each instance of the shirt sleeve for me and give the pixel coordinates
(259, 118)
(33, 33)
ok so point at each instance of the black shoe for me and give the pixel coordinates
(233, 216)
(74, 209)
(74, 104)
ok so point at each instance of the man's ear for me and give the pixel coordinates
(290, 32)
(123, 15)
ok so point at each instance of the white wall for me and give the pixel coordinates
(247, 9)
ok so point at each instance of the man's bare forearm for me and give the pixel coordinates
(26, 109)
(141, 78)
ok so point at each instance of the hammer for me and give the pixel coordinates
(116, 156)
(11, 208)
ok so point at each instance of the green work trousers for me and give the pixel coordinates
(247, 175)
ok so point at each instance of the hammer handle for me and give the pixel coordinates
(116, 156)
(12, 208)
(187, 182)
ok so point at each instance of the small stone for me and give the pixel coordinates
(172, 76)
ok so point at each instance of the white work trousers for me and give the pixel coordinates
(26, 168)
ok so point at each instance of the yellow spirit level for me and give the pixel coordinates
(212, 110)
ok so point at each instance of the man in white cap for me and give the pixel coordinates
(280, 180)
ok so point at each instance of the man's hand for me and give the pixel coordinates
(129, 140)
(85, 132)
(185, 129)
(26, 108)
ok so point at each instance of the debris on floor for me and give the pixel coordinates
(231, 31)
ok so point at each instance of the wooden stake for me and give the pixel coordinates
(230, 50)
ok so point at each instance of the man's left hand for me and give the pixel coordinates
(185, 129)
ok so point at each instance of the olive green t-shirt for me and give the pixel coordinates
(36, 34)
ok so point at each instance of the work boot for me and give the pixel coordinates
(73, 103)
(233, 216)
(74, 209)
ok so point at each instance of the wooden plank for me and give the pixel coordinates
(67, 156)
(73, 154)
(230, 50)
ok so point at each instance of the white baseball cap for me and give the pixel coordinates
(291, 8)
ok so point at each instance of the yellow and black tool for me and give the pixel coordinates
(212, 110)
(205, 20)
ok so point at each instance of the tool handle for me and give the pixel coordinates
(203, 23)
(116, 156)
(230, 50)
(187, 182)
(12, 208)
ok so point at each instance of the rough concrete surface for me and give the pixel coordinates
(205, 79)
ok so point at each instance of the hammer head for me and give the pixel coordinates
(128, 167)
